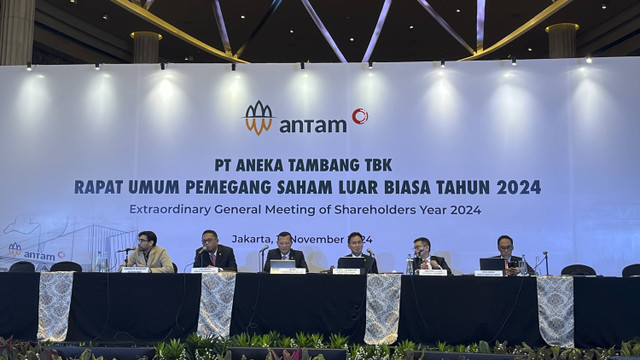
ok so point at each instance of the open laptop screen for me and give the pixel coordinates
(350, 262)
(283, 264)
(491, 264)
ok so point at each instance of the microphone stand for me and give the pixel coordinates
(126, 256)
(372, 256)
(261, 267)
(546, 261)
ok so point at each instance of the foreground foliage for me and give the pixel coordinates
(195, 347)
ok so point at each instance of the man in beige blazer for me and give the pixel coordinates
(148, 254)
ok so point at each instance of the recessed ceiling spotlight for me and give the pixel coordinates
(410, 26)
(458, 10)
(242, 17)
(589, 59)
(529, 49)
(105, 17)
(352, 39)
(290, 31)
(604, 5)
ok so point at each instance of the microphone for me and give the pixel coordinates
(202, 249)
(370, 252)
(264, 248)
(546, 261)
(127, 249)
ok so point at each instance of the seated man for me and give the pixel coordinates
(284, 252)
(148, 254)
(424, 260)
(355, 244)
(212, 254)
(511, 267)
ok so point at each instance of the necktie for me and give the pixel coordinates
(213, 259)
(284, 257)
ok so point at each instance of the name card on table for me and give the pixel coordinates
(135, 269)
(201, 270)
(426, 272)
(489, 273)
(288, 271)
(347, 271)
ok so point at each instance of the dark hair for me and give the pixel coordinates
(423, 240)
(505, 237)
(215, 235)
(285, 233)
(352, 235)
(151, 236)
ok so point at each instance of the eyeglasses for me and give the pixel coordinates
(143, 240)
(207, 240)
(504, 247)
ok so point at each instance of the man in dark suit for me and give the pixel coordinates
(512, 263)
(284, 252)
(424, 260)
(355, 244)
(212, 254)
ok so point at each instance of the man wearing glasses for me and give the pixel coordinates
(285, 252)
(148, 254)
(505, 246)
(212, 254)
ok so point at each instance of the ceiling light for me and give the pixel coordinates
(291, 31)
(301, 65)
(442, 63)
(233, 66)
(529, 49)
(514, 60)
(29, 66)
(97, 66)
(105, 17)
(242, 17)
(370, 64)
(410, 26)
(352, 39)
(589, 59)
(604, 5)
(458, 10)
(163, 66)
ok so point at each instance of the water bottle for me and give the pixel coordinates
(99, 267)
(105, 262)
(523, 267)
(409, 270)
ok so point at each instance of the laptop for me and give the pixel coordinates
(350, 262)
(283, 264)
(492, 264)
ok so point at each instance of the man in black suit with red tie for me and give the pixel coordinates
(512, 262)
(424, 259)
(355, 244)
(284, 252)
(212, 254)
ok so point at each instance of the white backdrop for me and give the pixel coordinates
(564, 130)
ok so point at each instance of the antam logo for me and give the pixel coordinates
(258, 111)
(15, 249)
(259, 118)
